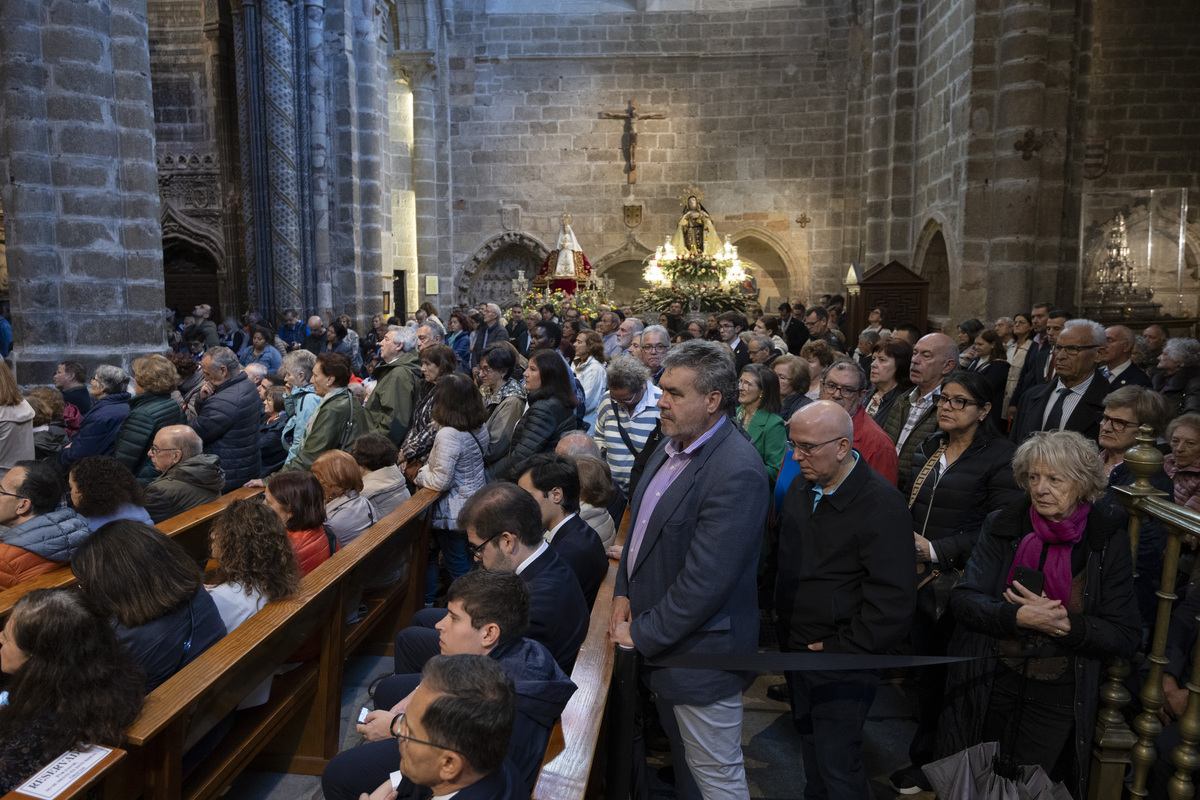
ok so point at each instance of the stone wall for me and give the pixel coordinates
(79, 189)
(755, 115)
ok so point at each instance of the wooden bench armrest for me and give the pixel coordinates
(205, 512)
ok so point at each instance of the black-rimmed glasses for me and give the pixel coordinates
(475, 551)
(156, 449)
(1118, 425)
(414, 740)
(839, 390)
(1074, 349)
(10, 494)
(956, 403)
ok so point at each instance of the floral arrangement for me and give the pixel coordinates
(695, 268)
(709, 298)
(588, 301)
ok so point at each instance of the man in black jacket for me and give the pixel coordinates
(490, 333)
(1074, 401)
(228, 417)
(794, 332)
(846, 584)
(553, 482)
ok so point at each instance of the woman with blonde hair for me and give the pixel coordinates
(589, 368)
(151, 409)
(347, 513)
(49, 431)
(16, 423)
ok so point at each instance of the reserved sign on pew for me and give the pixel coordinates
(63, 772)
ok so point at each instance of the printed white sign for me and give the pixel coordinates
(62, 772)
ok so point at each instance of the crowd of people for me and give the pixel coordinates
(765, 462)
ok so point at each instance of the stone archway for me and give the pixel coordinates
(626, 266)
(190, 278)
(765, 265)
(487, 275)
(933, 264)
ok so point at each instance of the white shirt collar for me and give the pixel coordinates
(533, 557)
(549, 536)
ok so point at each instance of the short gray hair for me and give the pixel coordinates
(256, 369)
(224, 357)
(1005, 320)
(495, 309)
(579, 443)
(404, 336)
(638, 326)
(300, 361)
(658, 330)
(1185, 351)
(1069, 455)
(1096, 329)
(434, 326)
(627, 373)
(762, 340)
(111, 379)
(847, 365)
(713, 364)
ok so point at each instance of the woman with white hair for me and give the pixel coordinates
(1179, 379)
(97, 435)
(1051, 573)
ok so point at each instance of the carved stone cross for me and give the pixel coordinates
(803, 220)
(629, 141)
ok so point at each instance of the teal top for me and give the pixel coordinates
(768, 434)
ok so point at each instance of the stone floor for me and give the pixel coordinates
(770, 743)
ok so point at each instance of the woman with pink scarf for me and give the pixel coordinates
(1042, 710)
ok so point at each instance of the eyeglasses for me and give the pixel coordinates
(656, 348)
(475, 551)
(725, 325)
(10, 494)
(808, 449)
(956, 403)
(839, 390)
(484, 368)
(812, 324)
(747, 385)
(1074, 350)
(1118, 424)
(156, 449)
(414, 740)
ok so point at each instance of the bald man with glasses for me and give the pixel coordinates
(846, 384)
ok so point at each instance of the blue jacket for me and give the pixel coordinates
(295, 334)
(543, 690)
(461, 344)
(158, 646)
(558, 614)
(269, 358)
(228, 424)
(694, 585)
(97, 430)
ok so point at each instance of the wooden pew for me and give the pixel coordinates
(567, 769)
(190, 529)
(298, 729)
(81, 787)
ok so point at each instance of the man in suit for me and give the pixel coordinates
(1039, 319)
(1116, 359)
(553, 483)
(817, 322)
(846, 585)
(687, 579)
(454, 735)
(1075, 400)
(729, 327)
(914, 417)
(504, 532)
(794, 332)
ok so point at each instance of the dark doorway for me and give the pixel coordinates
(190, 278)
(399, 304)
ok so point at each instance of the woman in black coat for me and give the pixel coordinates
(890, 362)
(961, 473)
(1042, 710)
(991, 361)
(1179, 380)
(550, 416)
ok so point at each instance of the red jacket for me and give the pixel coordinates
(875, 446)
(311, 546)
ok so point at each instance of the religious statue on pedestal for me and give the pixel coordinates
(695, 233)
(566, 266)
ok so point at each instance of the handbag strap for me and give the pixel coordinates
(621, 430)
(930, 463)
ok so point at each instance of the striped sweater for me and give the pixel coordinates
(611, 417)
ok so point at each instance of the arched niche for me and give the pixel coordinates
(190, 277)
(933, 264)
(487, 275)
(626, 266)
(762, 253)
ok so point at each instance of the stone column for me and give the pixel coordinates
(420, 72)
(79, 186)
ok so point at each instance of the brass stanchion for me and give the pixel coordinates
(1144, 461)
(1185, 756)
(1113, 739)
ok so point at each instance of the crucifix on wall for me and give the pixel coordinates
(629, 141)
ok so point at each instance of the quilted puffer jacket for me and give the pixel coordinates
(311, 548)
(455, 465)
(228, 423)
(40, 545)
(148, 414)
(545, 422)
(97, 430)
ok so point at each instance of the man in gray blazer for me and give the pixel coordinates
(687, 577)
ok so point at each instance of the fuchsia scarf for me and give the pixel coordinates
(1060, 536)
